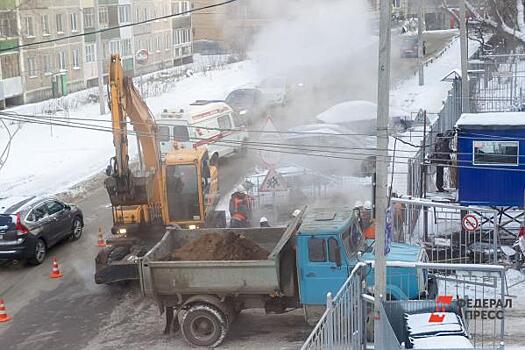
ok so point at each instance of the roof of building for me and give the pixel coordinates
(492, 119)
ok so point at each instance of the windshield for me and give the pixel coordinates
(240, 97)
(183, 193)
(164, 133)
(180, 133)
(353, 238)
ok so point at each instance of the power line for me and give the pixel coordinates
(277, 148)
(119, 26)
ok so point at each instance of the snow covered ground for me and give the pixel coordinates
(45, 159)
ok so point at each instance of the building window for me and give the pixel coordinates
(61, 60)
(31, 67)
(103, 17)
(76, 58)
(45, 25)
(60, 23)
(145, 13)
(46, 60)
(90, 53)
(167, 41)
(157, 43)
(124, 14)
(8, 27)
(180, 7)
(73, 19)
(495, 152)
(126, 47)
(10, 66)
(114, 46)
(29, 27)
(89, 20)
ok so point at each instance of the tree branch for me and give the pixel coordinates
(519, 16)
(452, 13)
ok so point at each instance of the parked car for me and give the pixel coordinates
(248, 103)
(30, 226)
(409, 46)
(274, 90)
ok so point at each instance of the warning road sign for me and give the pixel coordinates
(470, 222)
(273, 182)
(269, 138)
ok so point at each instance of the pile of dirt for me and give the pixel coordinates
(211, 246)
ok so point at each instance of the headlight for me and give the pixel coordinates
(243, 112)
(192, 227)
(122, 231)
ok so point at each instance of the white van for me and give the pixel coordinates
(210, 123)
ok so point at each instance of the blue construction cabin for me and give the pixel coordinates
(491, 154)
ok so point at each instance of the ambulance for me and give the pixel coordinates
(211, 123)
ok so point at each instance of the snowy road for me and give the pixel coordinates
(74, 313)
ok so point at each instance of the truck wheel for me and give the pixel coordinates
(204, 325)
(39, 253)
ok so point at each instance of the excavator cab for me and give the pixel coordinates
(191, 188)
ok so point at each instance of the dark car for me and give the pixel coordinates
(248, 103)
(29, 227)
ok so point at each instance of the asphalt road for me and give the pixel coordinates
(75, 313)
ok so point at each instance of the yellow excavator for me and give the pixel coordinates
(178, 189)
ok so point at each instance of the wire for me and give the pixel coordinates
(119, 26)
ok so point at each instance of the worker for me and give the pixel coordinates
(441, 158)
(367, 223)
(399, 220)
(263, 222)
(240, 208)
(296, 213)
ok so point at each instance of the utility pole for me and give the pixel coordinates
(465, 89)
(383, 100)
(420, 53)
(99, 58)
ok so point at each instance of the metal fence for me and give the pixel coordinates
(449, 233)
(419, 172)
(342, 325)
(497, 83)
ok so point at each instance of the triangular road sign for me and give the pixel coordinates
(273, 182)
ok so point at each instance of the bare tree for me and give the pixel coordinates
(501, 16)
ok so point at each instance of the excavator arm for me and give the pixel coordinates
(125, 188)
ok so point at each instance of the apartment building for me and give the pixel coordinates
(53, 68)
(182, 32)
(11, 90)
(154, 38)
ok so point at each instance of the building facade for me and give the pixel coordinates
(59, 64)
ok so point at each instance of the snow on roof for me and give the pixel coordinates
(492, 119)
(352, 111)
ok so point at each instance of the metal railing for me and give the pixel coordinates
(342, 325)
(449, 233)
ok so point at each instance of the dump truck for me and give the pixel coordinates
(310, 257)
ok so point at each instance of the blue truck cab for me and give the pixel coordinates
(330, 243)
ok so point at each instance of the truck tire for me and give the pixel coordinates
(204, 325)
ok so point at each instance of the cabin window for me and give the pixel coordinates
(316, 250)
(164, 133)
(332, 249)
(488, 152)
(181, 133)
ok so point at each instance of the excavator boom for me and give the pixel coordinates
(123, 187)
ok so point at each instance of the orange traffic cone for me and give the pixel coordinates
(101, 242)
(55, 273)
(4, 317)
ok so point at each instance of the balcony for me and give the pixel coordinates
(10, 87)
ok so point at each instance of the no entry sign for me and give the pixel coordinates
(470, 222)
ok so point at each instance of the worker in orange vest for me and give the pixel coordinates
(367, 223)
(240, 208)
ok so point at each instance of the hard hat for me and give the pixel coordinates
(367, 205)
(358, 204)
(296, 212)
(263, 219)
